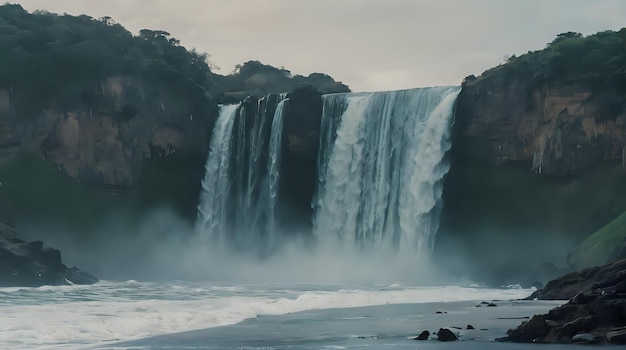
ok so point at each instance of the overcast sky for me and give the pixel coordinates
(367, 44)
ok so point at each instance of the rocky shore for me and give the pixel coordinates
(595, 312)
(33, 264)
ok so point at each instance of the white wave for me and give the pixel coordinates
(80, 316)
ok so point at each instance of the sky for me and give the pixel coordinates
(370, 45)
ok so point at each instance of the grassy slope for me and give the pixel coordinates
(603, 245)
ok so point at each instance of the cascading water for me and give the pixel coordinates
(273, 164)
(240, 188)
(380, 166)
(380, 170)
(212, 210)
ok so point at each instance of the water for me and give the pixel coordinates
(273, 164)
(212, 209)
(104, 314)
(240, 189)
(381, 167)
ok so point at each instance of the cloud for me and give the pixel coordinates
(360, 41)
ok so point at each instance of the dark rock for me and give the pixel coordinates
(577, 326)
(423, 336)
(469, 326)
(77, 276)
(609, 312)
(596, 311)
(573, 284)
(446, 335)
(367, 337)
(32, 264)
(616, 336)
(530, 330)
(491, 305)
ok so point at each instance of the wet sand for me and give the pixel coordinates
(373, 327)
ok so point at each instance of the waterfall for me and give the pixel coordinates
(212, 208)
(273, 164)
(381, 167)
(240, 188)
(380, 170)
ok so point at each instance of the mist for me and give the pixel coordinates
(162, 246)
(495, 257)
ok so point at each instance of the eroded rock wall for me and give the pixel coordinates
(121, 122)
(560, 129)
(536, 168)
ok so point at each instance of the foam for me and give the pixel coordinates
(76, 316)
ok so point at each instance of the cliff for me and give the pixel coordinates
(105, 144)
(538, 153)
(560, 128)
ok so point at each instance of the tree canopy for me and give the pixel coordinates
(597, 60)
(256, 78)
(57, 59)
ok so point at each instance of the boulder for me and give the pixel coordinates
(446, 335)
(423, 336)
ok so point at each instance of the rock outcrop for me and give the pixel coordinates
(595, 312)
(32, 264)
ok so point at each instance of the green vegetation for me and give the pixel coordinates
(59, 60)
(604, 245)
(596, 60)
(254, 78)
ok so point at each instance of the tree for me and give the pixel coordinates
(563, 36)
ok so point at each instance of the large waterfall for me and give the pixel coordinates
(381, 167)
(240, 189)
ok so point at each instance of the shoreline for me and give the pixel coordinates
(377, 326)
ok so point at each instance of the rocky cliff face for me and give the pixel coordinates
(559, 129)
(536, 168)
(129, 120)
